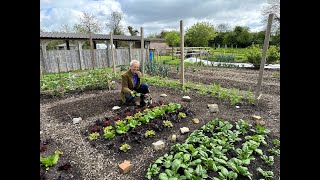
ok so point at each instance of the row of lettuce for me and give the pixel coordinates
(206, 153)
(58, 84)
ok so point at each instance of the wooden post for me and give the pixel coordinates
(130, 51)
(264, 53)
(91, 50)
(112, 54)
(182, 52)
(142, 49)
(58, 63)
(41, 74)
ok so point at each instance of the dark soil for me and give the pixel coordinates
(93, 105)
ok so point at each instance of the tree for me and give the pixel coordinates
(243, 37)
(88, 24)
(132, 31)
(272, 6)
(199, 34)
(222, 28)
(66, 28)
(173, 39)
(114, 23)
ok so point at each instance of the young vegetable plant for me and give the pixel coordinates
(93, 136)
(276, 142)
(266, 174)
(50, 160)
(125, 147)
(274, 151)
(268, 159)
(181, 115)
(108, 132)
(149, 133)
(167, 123)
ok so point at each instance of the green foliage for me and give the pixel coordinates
(199, 34)
(254, 55)
(58, 84)
(173, 38)
(167, 123)
(93, 136)
(205, 150)
(273, 54)
(50, 160)
(149, 133)
(276, 142)
(182, 115)
(125, 147)
(155, 69)
(223, 58)
(266, 174)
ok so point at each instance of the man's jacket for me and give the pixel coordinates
(127, 84)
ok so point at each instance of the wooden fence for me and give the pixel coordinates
(69, 60)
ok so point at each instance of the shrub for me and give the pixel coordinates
(273, 54)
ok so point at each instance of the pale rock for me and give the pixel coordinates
(186, 98)
(256, 117)
(163, 95)
(195, 120)
(173, 138)
(184, 130)
(115, 108)
(213, 108)
(158, 145)
(76, 120)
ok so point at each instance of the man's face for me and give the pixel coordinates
(134, 68)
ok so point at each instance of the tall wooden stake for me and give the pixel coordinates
(264, 53)
(182, 52)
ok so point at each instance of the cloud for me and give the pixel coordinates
(155, 16)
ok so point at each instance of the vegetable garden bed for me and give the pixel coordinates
(87, 159)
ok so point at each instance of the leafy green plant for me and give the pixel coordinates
(273, 54)
(93, 136)
(125, 147)
(50, 160)
(266, 174)
(182, 115)
(149, 133)
(276, 142)
(108, 132)
(274, 151)
(167, 123)
(254, 55)
(268, 159)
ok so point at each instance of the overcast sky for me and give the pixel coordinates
(154, 15)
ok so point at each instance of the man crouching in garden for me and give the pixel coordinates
(132, 91)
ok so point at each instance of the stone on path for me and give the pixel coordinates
(163, 95)
(76, 120)
(158, 145)
(213, 108)
(173, 138)
(186, 98)
(195, 120)
(256, 117)
(116, 107)
(184, 130)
